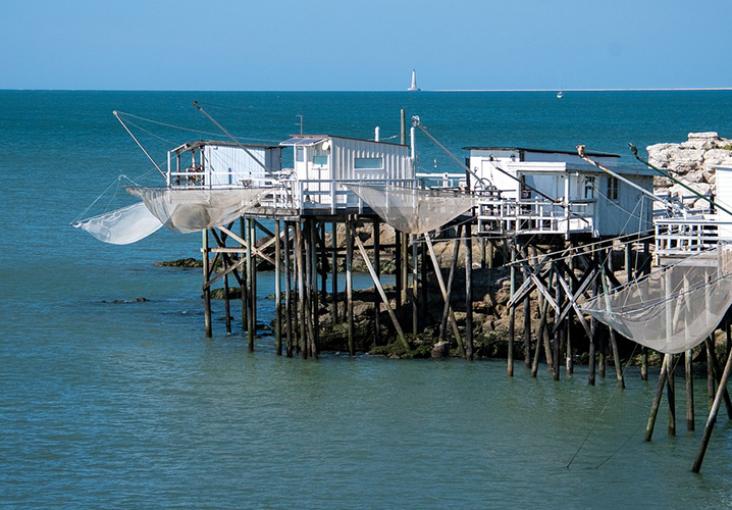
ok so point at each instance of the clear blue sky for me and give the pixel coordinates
(364, 45)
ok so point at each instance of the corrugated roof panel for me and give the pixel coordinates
(301, 141)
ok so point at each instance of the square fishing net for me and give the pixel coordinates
(672, 309)
(413, 211)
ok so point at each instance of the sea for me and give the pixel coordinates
(108, 401)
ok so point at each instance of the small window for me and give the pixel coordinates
(589, 188)
(299, 154)
(612, 188)
(320, 159)
(369, 163)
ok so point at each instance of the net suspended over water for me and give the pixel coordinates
(121, 226)
(414, 211)
(191, 210)
(672, 309)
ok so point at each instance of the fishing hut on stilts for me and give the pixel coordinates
(577, 232)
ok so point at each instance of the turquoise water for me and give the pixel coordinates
(128, 406)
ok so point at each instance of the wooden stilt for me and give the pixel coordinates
(415, 287)
(569, 356)
(711, 420)
(445, 292)
(399, 281)
(249, 290)
(206, 289)
(665, 364)
(323, 262)
(278, 292)
(617, 364)
(689, 386)
(227, 303)
(315, 306)
(377, 269)
(557, 341)
(308, 299)
(644, 364)
(710, 372)
(300, 290)
(380, 289)
(253, 300)
(716, 375)
(404, 266)
(544, 307)
(671, 396)
(288, 292)
(349, 284)
(244, 277)
(594, 327)
(527, 323)
(511, 314)
(423, 295)
(645, 269)
(447, 311)
(334, 270)
(468, 291)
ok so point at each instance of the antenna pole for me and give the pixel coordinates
(300, 118)
(142, 148)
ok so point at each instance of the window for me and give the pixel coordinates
(589, 188)
(612, 188)
(299, 154)
(320, 159)
(369, 163)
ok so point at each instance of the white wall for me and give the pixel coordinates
(231, 165)
(724, 197)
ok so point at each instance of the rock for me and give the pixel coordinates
(717, 155)
(126, 301)
(186, 262)
(704, 135)
(441, 349)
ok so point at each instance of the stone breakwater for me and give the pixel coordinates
(692, 162)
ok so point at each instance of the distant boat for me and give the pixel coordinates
(560, 94)
(413, 84)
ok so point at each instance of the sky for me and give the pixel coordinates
(364, 45)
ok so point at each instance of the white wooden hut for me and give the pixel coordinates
(323, 163)
(593, 202)
(219, 164)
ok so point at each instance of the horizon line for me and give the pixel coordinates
(632, 89)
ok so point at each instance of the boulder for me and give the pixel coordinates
(441, 349)
(704, 135)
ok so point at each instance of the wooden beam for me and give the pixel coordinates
(380, 289)
(443, 290)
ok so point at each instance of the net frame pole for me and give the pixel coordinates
(712, 418)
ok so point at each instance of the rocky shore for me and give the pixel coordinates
(692, 162)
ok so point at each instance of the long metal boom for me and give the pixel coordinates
(581, 153)
(134, 138)
(216, 123)
(664, 173)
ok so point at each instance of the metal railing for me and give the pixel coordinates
(693, 234)
(535, 216)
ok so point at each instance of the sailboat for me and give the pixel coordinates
(560, 94)
(413, 84)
